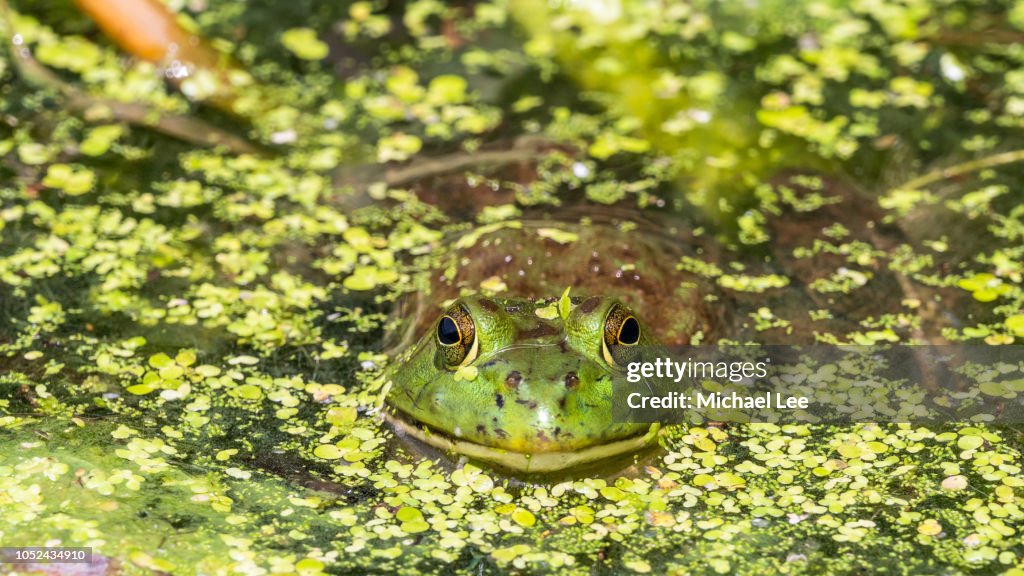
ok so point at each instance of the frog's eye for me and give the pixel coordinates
(448, 331)
(456, 337)
(621, 329)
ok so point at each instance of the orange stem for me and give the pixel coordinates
(148, 30)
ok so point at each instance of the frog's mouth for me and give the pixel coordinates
(524, 462)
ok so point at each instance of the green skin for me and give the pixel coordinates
(542, 387)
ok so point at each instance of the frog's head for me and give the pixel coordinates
(514, 383)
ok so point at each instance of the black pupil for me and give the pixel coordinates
(447, 331)
(630, 333)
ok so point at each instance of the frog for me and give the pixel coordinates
(505, 381)
(523, 380)
(489, 373)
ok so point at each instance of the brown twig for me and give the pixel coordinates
(963, 168)
(971, 38)
(429, 167)
(523, 149)
(182, 127)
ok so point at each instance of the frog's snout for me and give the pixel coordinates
(534, 367)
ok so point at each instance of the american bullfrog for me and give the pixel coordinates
(508, 382)
(515, 382)
(503, 378)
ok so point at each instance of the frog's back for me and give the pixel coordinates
(624, 259)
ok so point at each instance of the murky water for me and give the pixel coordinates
(193, 339)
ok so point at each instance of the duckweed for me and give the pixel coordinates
(192, 340)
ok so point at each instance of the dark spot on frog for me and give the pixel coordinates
(499, 400)
(590, 304)
(489, 305)
(571, 380)
(561, 403)
(531, 404)
(481, 430)
(513, 379)
(542, 436)
(563, 346)
(500, 433)
(538, 331)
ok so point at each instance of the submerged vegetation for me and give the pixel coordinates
(197, 290)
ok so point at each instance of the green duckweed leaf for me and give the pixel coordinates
(73, 180)
(303, 42)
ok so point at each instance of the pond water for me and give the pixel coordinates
(196, 341)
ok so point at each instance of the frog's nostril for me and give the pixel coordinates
(513, 379)
(571, 380)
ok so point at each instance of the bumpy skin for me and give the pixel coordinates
(542, 385)
(639, 267)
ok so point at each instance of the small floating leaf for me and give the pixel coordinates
(249, 392)
(930, 527)
(73, 180)
(493, 284)
(100, 139)
(304, 43)
(447, 89)
(523, 517)
(1016, 324)
(327, 452)
(549, 312)
(957, 482)
(969, 442)
(558, 235)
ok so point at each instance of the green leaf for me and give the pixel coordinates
(160, 360)
(141, 389)
(398, 147)
(99, 139)
(185, 358)
(304, 43)
(327, 452)
(34, 153)
(565, 304)
(71, 53)
(524, 517)
(248, 392)
(1016, 324)
(558, 235)
(408, 514)
(970, 442)
(73, 180)
(447, 89)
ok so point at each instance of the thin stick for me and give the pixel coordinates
(523, 149)
(459, 161)
(965, 168)
(182, 127)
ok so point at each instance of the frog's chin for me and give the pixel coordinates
(524, 462)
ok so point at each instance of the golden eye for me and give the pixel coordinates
(621, 330)
(456, 337)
